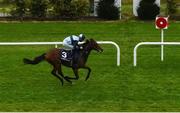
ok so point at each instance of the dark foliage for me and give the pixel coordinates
(107, 10)
(70, 8)
(148, 10)
(42, 9)
(171, 7)
(20, 9)
(38, 8)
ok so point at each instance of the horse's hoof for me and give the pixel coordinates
(67, 79)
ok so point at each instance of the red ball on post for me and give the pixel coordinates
(161, 22)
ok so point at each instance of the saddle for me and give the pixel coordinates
(66, 55)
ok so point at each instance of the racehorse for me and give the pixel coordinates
(79, 60)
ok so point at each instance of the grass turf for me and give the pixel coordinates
(151, 86)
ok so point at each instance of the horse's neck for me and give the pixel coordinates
(85, 54)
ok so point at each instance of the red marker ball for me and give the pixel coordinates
(161, 23)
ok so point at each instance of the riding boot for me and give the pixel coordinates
(74, 57)
(75, 53)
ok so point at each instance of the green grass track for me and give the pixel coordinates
(151, 86)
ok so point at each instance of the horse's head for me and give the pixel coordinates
(92, 44)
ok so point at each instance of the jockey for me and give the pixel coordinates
(71, 42)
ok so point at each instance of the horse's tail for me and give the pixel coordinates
(35, 61)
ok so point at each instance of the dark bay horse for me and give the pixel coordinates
(54, 58)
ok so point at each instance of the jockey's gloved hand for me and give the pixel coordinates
(81, 47)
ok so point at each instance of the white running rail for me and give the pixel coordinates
(150, 43)
(60, 43)
(117, 48)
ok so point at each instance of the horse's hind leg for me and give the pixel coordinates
(76, 75)
(61, 73)
(54, 72)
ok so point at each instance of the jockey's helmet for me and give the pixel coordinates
(81, 37)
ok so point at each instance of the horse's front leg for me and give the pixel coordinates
(89, 71)
(75, 70)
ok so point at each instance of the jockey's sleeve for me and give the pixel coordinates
(71, 46)
(79, 43)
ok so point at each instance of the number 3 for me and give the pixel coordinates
(64, 55)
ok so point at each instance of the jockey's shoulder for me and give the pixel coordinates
(74, 36)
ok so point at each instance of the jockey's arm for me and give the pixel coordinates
(80, 43)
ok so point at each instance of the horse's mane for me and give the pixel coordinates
(86, 42)
(89, 40)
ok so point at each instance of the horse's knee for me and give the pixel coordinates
(87, 77)
(89, 70)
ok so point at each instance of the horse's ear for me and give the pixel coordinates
(92, 40)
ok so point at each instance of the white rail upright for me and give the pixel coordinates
(150, 43)
(117, 48)
(160, 23)
(59, 43)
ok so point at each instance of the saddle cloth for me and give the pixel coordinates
(66, 55)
